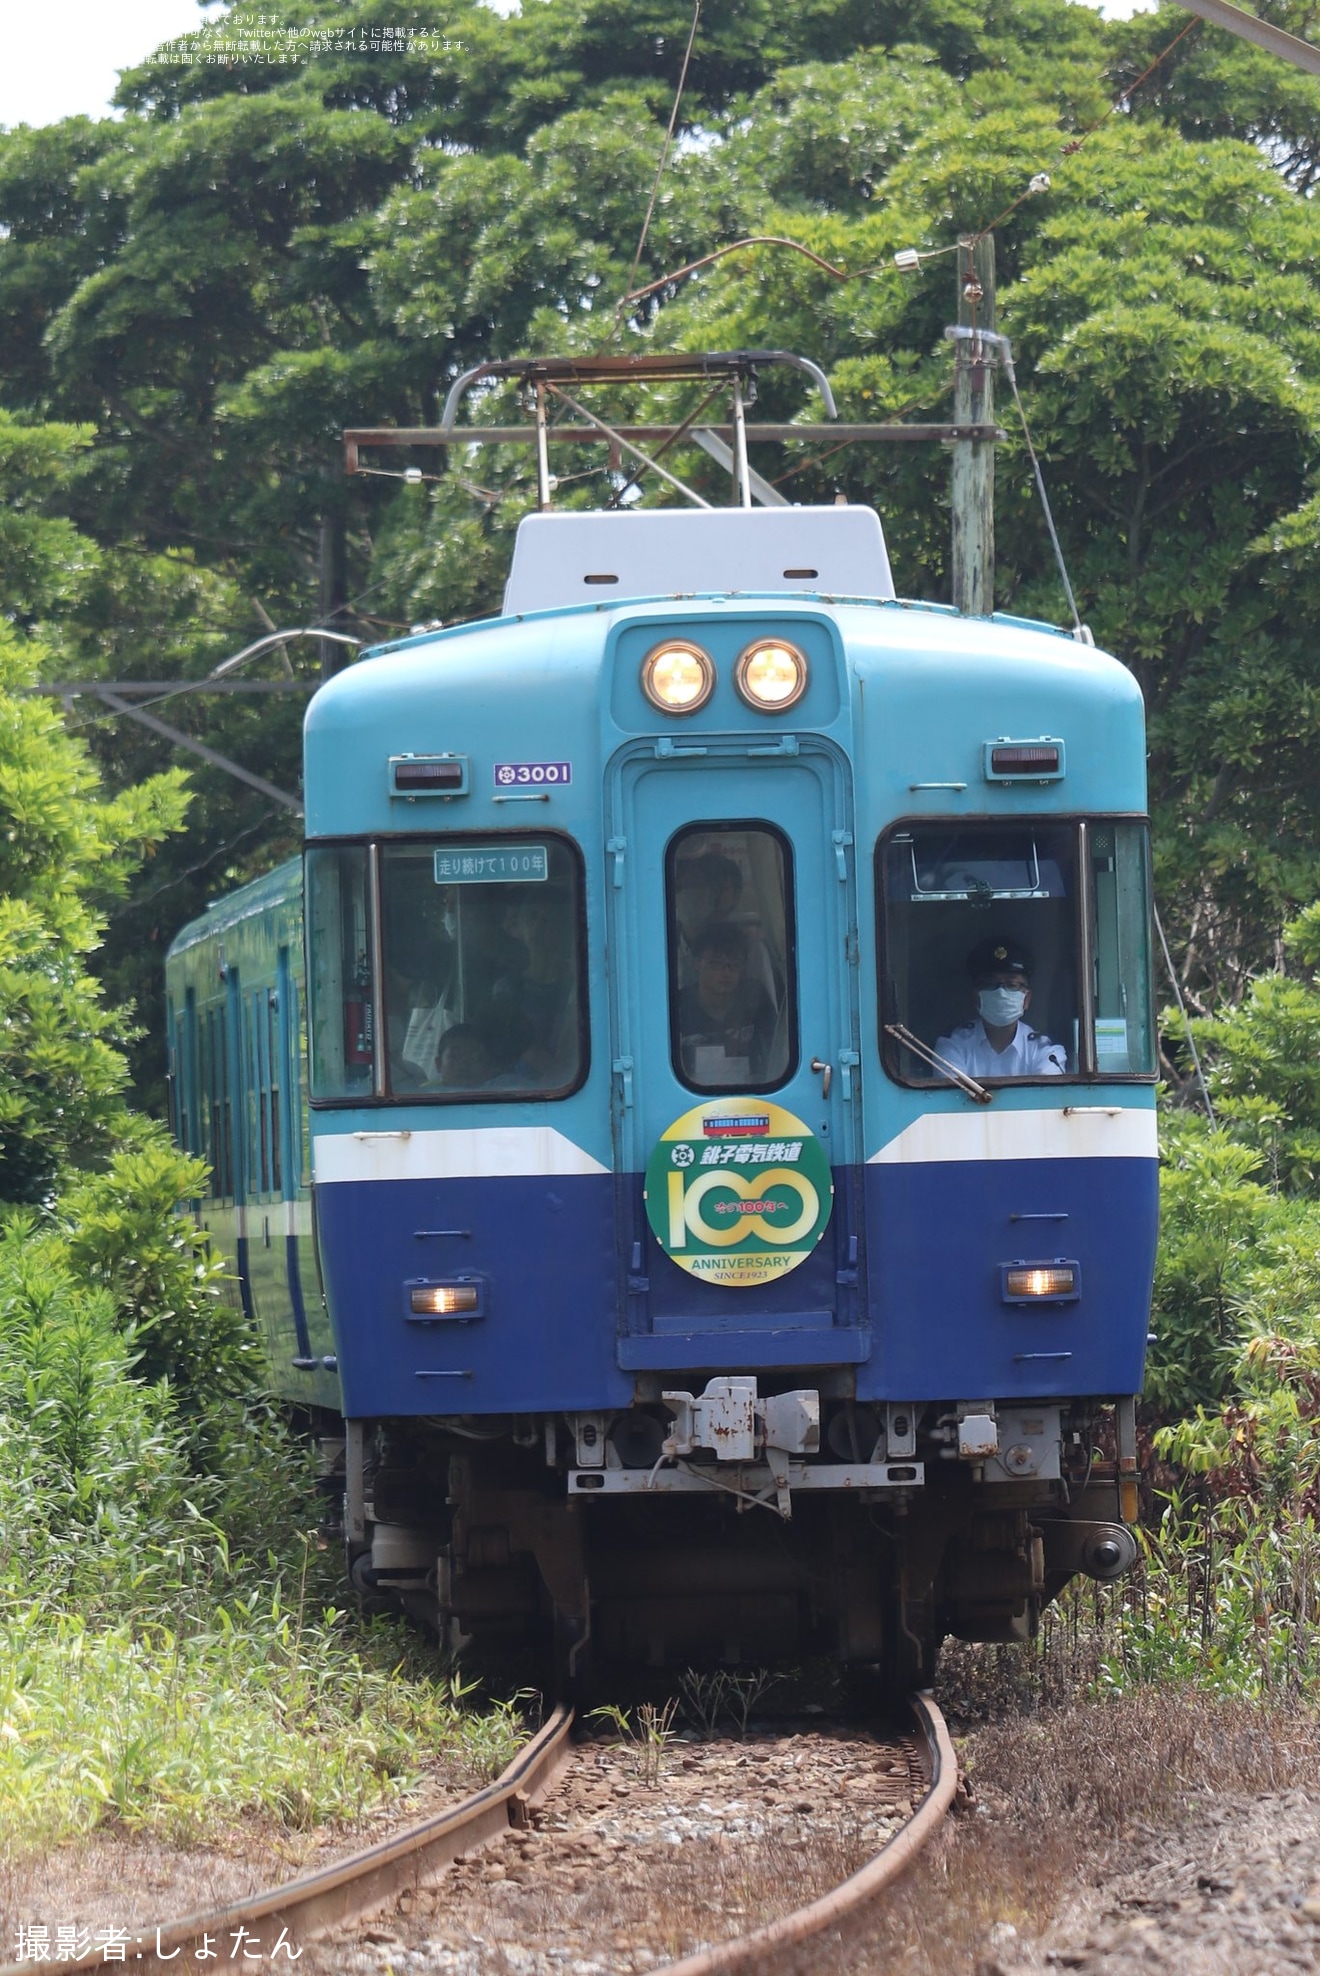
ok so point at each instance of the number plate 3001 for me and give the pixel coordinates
(533, 775)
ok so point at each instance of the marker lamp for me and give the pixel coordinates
(1025, 758)
(678, 677)
(1058, 1279)
(771, 675)
(1038, 760)
(428, 775)
(444, 1299)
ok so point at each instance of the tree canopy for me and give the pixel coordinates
(197, 297)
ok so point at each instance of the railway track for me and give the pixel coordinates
(897, 1790)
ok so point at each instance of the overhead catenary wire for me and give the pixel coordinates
(908, 259)
(1011, 374)
(784, 240)
(665, 149)
(254, 650)
(1074, 145)
(133, 902)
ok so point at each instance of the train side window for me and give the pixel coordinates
(979, 966)
(222, 1144)
(484, 982)
(340, 989)
(302, 1143)
(174, 1077)
(1119, 858)
(190, 1093)
(225, 1101)
(206, 1101)
(273, 1080)
(212, 1073)
(732, 995)
(254, 1093)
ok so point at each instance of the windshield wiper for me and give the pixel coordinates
(942, 1064)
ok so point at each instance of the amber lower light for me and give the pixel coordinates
(678, 677)
(771, 675)
(444, 1299)
(1041, 1282)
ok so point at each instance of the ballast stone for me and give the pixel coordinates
(561, 559)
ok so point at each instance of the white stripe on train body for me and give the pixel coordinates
(1074, 1132)
(477, 1153)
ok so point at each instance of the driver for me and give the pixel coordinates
(1001, 1043)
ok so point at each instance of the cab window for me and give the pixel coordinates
(339, 973)
(981, 964)
(483, 991)
(1015, 951)
(1118, 855)
(732, 993)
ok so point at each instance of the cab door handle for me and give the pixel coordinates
(825, 1072)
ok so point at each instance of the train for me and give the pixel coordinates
(686, 1124)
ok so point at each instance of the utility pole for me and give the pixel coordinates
(331, 561)
(973, 498)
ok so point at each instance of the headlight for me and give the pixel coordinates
(1041, 1280)
(678, 677)
(771, 675)
(444, 1299)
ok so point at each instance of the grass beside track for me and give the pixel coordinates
(172, 1660)
(254, 1711)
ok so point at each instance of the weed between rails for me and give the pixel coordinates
(647, 1737)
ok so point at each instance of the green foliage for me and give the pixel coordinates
(97, 1504)
(127, 1234)
(64, 852)
(1225, 1601)
(1239, 1259)
(169, 1658)
(1211, 1213)
(267, 1708)
(1227, 1598)
(1263, 1065)
(46, 563)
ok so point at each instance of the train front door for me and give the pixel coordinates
(737, 1127)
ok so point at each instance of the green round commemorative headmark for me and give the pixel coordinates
(738, 1191)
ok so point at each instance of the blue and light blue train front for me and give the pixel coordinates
(733, 1098)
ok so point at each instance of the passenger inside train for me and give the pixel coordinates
(726, 1021)
(481, 963)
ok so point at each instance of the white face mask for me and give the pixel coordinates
(1000, 1006)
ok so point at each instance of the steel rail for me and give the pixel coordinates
(357, 1885)
(745, 1955)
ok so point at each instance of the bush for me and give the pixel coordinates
(98, 1508)
(126, 1230)
(167, 1656)
(65, 850)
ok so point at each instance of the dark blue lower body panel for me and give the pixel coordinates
(939, 1236)
(558, 1329)
(543, 1249)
